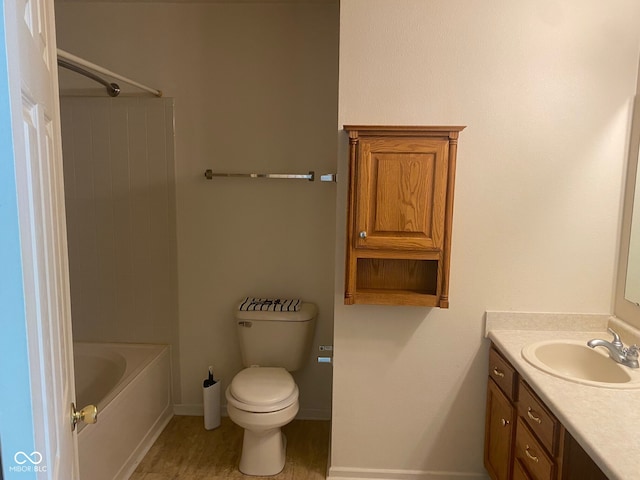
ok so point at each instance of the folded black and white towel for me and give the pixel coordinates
(270, 304)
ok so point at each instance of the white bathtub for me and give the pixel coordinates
(131, 386)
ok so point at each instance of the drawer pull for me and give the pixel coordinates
(532, 457)
(504, 422)
(532, 416)
(497, 372)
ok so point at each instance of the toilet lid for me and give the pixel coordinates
(262, 386)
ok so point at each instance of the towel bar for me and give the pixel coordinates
(329, 177)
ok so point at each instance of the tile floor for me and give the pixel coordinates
(186, 451)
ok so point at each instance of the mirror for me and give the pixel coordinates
(627, 293)
(632, 283)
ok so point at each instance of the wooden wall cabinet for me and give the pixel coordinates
(401, 183)
(523, 439)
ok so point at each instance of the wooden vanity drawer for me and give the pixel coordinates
(519, 473)
(530, 454)
(501, 371)
(541, 422)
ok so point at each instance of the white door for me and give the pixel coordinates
(35, 121)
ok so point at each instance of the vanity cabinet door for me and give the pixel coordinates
(499, 430)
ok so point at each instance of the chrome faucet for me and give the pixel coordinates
(627, 356)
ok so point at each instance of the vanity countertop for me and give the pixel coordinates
(606, 422)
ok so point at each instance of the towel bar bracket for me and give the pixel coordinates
(328, 177)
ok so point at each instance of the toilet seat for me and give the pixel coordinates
(262, 389)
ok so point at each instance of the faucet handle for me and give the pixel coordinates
(616, 338)
(632, 351)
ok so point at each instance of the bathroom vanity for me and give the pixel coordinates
(542, 426)
(401, 182)
(523, 439)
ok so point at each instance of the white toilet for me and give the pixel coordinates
(264, 397)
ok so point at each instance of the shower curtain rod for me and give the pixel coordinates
(113, 89)
(85, 63)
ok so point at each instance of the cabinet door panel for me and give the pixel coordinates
(403, 186)
(498, 442)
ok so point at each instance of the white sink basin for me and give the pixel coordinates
(575, 361)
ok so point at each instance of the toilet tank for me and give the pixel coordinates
(276, 339)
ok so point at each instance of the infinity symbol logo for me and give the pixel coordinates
(35, 458)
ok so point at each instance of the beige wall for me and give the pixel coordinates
(255, 88)
(545, 89)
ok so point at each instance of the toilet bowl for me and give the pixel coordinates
(264, 397)
(262, 400)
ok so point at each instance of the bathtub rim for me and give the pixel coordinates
(154, 352)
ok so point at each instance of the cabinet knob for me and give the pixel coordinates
(363, 234)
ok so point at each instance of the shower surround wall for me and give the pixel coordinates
(255, 89)
(120, 203)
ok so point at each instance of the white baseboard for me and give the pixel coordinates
(347, 473)
(197, 410)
